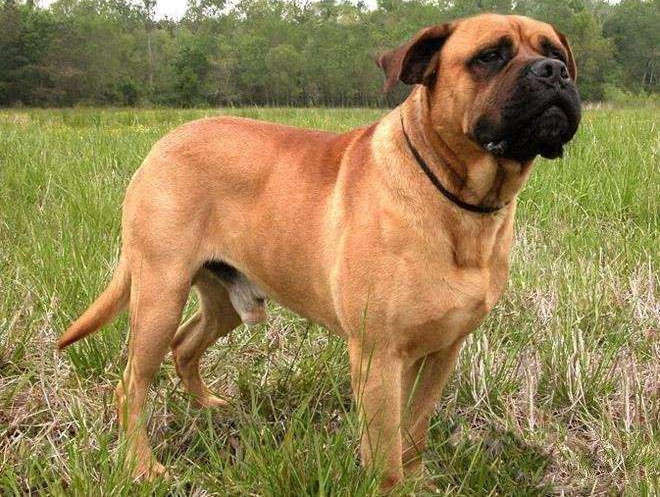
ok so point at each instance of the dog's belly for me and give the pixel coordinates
(289, 262)
(253, 195)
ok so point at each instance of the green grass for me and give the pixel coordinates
(557, 393)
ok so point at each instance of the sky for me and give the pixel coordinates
(174, 9)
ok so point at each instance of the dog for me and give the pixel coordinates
(395, 236)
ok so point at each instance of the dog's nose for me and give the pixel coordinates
(550, 70)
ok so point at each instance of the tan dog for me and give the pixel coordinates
(395, 236)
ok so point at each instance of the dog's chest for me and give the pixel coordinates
(438, 299)
(453, 306)
(424, 285)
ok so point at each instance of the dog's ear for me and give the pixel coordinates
(572, 68)
(414, 62)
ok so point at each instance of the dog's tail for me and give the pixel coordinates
(113, 299)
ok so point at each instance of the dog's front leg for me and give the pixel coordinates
(422, 386)
(376, 381)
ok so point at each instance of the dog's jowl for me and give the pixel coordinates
(395, 236)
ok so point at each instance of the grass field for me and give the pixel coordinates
(557, 393)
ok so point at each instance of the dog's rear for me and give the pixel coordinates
(189, 218)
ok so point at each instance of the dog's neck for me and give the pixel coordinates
(488, 181)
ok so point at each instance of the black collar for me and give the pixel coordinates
(436, 182)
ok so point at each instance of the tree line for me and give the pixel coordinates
(280, 52)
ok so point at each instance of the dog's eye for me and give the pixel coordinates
(490, 60)
(489, 57)
(552, 51)
(556, 54)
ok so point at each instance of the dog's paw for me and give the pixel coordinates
(150, 472)
(210, 400)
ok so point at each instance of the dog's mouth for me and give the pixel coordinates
(532, 128)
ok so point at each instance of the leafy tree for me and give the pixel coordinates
(24, 39)
(190, 67)
(284, 64)
(279, 51)
(634, 25)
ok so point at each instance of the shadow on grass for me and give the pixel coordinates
(464, 460)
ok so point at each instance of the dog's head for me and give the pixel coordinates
(506, 83)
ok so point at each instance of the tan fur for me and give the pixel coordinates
(344, 229)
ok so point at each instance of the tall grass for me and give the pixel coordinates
(557, 393)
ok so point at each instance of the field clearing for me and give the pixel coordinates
(557, 393)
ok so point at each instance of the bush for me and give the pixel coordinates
(129, 93)
(622, 97)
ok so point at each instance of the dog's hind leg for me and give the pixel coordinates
(158, 295)
(215, 318)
